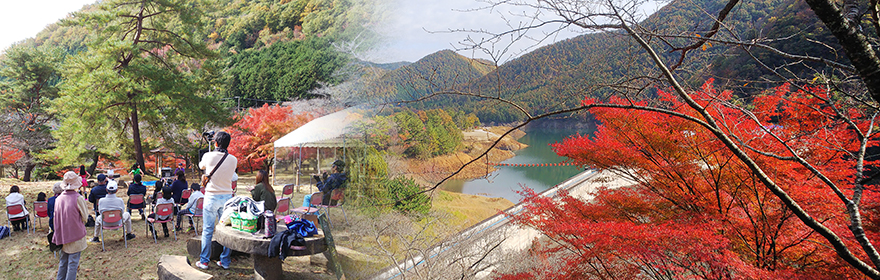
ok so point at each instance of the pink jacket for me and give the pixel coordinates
(69, 219)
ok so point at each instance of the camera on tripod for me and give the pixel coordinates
(208, 136)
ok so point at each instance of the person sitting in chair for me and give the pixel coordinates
(329, 183)
(108, 203)
(137, 187)
(165, 198)
(191, 208)
(15, 198)
(99, 191)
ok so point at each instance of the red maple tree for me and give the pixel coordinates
(697, 211)
(255, 132)
(9, 154)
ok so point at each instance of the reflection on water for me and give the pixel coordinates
(508, 179)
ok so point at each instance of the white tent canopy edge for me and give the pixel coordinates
(323, 132)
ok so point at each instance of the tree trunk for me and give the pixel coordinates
(136, 136)
(29, 165)
(856, 45)
(28, 169)
(94, 164)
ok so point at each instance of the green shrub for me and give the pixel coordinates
(406, 196)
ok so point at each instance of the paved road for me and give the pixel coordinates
(490, 244)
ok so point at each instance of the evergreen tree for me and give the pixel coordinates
(147, 73)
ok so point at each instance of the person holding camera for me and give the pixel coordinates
(327, 184)
(220, 167)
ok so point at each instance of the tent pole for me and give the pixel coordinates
(274, 164)
(299, 166)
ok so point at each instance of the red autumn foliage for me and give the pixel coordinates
(697, 211)
(255, 133)
(9, 155)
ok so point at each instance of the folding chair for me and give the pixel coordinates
(136, 199)
(283, 206)
(162, 210)
(337, 199)
(316, 200)
(14, 210)
(199, 205)
(287, 190)
(41, 210)
(185, 195)
(109, 217)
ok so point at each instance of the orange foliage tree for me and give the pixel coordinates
(254, 133)
(8, 153)
(698, 211)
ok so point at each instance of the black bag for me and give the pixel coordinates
(52, 246)
(90, 222)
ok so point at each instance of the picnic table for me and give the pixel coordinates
(264, 266)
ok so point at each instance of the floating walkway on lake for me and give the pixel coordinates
(533, 164)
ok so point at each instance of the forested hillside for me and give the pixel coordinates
(244, 32)
(797, 31)
(561, 74)
(441, 71)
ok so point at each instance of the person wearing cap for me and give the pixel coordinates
(217, 192)
(108, 203)
(50, 203)
(71, 213)
(137, 187)
(191, 207)
(328, 183)
(99, 191)
(180, 168)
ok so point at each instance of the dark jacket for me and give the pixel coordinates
(97, 193)
(281, 242)
(137, 188)
(259, 193)
(51, 205)
(177, 189)
(334, 181)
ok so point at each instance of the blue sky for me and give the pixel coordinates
(416, 28)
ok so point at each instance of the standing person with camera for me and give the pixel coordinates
(219, 166)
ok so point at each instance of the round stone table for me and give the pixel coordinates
(264, 266)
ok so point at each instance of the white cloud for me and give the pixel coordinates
(20, 19)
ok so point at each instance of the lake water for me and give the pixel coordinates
(507, 180)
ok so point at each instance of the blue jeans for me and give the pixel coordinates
(68, 265)
(211, 211)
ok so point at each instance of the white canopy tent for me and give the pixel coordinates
(324, 132)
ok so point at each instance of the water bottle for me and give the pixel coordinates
(271, 224)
